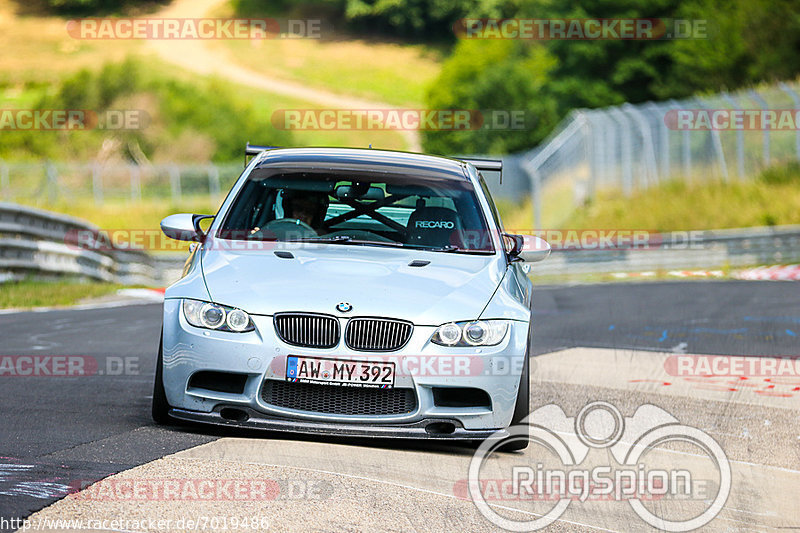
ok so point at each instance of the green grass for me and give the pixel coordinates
(133, 215)
(264, 103)
(39, 55)
(136, 222)
(579, 278)
(28, 293)
(397, 74)
(37, 48)
(773, 198)
(176, 139)
(382, 70)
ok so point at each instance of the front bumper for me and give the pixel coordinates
(260, 355)
(425, 429)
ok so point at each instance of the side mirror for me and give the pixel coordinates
(184, 227)
(527, 248)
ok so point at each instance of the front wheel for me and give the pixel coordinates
(523, 406)
(521, 409)
(160, 409)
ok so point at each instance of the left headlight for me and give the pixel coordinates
(477, 333)
(214, 316)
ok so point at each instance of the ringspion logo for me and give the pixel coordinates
(628, 467)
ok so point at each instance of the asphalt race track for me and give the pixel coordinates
(593, 342)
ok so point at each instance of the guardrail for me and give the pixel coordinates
(682, 250)
(38, 242)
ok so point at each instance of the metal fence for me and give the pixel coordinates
(625, 148)
(633, 147)
(49, 182)
(709, 249)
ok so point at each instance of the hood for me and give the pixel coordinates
(376, 281)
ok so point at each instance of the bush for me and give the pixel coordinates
(428, 20)
(781, 174)
(97, 7)
(208, 113)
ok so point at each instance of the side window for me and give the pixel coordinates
(492, 207)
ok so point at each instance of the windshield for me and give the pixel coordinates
(347, 208)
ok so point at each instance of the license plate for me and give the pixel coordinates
(345, 372)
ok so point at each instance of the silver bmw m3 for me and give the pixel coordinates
(352, 292)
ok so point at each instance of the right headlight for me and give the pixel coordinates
(209, 315)
(477, 333)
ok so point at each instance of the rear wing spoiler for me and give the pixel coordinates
(486, 164)
(254, 149)
(495, 165)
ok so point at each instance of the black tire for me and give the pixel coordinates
(160, 408)
(522, 408)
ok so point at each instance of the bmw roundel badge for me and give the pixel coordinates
(344, 307)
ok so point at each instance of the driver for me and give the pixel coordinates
(306, 206)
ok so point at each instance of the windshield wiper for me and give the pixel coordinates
(335, 238)
(346, 239)
(448, 248)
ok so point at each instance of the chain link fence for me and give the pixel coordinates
(632, 147)
(51, 182)
(623, 148)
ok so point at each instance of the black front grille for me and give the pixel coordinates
(337, 400)
(377, 334)
(307, 330)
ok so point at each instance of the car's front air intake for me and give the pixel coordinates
(377, 334)
(334, 400)
(307, 330)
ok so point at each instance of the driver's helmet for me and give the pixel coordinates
(307, 206)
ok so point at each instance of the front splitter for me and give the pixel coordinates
(423, 429)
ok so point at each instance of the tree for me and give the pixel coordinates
(494, 75)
